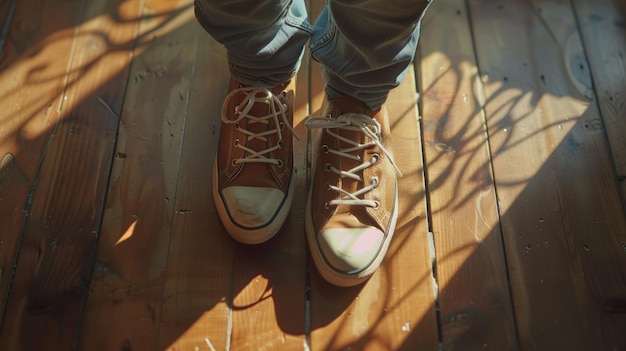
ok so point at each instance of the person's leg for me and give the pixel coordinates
(365, 48)
(252, 177)
(264, 39)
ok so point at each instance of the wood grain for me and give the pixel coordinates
(32, 78)
(269, 280)
(59, 238)
(394, 309)
(603, 30)
(199, 269)
(474, 298)
(561, 215)
(109, 238)
(124, 306)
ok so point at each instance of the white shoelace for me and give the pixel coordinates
(253, 96)
(354, 122)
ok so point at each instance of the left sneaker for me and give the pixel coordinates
(352, 205)
(253, 170)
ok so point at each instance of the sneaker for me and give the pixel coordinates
(352, 205)
(252, 173)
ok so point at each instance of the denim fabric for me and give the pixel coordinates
(264, 39)
(364, 46)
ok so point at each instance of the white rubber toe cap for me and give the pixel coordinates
(252, 207)
(350, 250)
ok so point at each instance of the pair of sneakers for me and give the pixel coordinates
(352, 204)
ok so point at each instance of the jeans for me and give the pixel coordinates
(364, 47)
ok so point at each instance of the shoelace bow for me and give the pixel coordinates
(372, 130)
(253, 96)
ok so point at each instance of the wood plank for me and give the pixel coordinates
(476, 310)
(395, 308)
(33, 68)
(59, 238)
(196, 312)
(259, 319)
(125, 302)
(603, 31)
(562, 218)
(269, 280)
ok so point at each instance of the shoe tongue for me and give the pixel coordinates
(336, 108)
(348, 184)
(259, 110)
(345, 104)
(257, 174)
(355, 214)
(341, 106)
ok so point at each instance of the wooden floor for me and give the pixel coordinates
(512, 229)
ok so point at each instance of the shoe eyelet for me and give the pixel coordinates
(327, 205)
(236, 125)
(327, 167)
(280, 164)
(236, 142)
(375, 182)
(375, 158)
(280, 144)
(325, 148)
(327, 185)
(376, 205)
(281, 125)
(234, 163)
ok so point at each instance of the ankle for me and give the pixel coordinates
(276, 90)
(346, 104)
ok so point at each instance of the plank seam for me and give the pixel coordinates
(31, 191)
(491, 169)
(607, 139)
(427, 199)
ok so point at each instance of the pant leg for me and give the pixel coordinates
(366, 46)
(264, 39)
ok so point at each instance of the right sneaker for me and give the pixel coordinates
(252, 173)
(352, 205)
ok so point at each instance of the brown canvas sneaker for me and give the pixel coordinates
(352, 205)
(252, 174)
